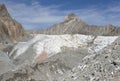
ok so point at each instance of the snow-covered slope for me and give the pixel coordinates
(44, 46)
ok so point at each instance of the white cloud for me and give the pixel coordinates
(38, 15)
(35, 3)
(34, 14)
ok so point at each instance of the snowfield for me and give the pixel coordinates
(52, 44)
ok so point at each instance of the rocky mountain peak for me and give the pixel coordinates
(10, 29)
(2, 6)
(4, 15)
(71, 17)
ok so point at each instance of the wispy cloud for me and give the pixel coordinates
(39, 16)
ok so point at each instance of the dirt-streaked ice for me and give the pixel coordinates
(52, 44)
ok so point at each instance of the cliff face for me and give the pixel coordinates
(10, 29)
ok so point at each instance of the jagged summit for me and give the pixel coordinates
(71, 16)
(4, 15)
(2, 5)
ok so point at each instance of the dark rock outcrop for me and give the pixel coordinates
(10, 29)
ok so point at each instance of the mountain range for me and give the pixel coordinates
(69, 51)
(73, 25)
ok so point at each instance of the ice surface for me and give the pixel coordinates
(52, 44)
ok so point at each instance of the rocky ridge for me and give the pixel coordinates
(73, 25)
(10, 29)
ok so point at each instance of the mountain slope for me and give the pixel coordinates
(73, 65)
(73, 25)
(10, 29)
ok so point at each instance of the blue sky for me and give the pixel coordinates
(41, 14)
